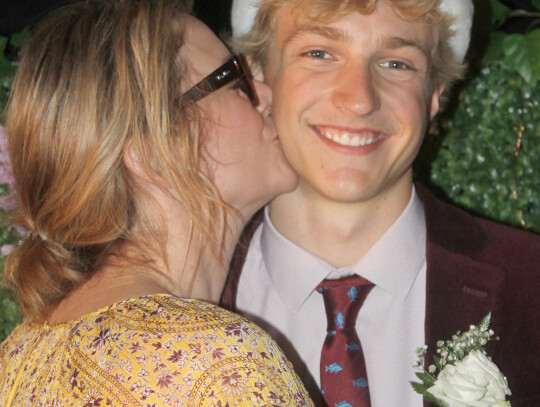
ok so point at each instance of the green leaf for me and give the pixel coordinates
(516, 56)
(419, 387)
(428, 379)
(484, 323)
(6, 72)
(495, 51)
(432, 399)
(499, 12)
(533, 44)
(20, 38)
(536, 4)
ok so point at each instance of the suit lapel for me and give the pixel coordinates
(460, 292)
(230, 290)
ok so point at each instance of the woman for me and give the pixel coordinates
(138, 155)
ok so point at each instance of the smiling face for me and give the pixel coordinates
(351, 100)
(245, 156)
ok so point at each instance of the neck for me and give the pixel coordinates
(186, 268)
(338, 232)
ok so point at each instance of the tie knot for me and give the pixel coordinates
(342, 299)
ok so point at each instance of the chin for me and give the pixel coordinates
(351, 194)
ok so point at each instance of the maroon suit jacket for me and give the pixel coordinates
(474, 266)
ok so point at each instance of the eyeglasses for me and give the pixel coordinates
(234, 69)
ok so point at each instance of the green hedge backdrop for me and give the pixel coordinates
(483, 152)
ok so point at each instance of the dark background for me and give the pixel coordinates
(17, 14)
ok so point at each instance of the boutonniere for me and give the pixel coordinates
(463, 375)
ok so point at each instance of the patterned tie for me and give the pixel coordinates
(343, 369)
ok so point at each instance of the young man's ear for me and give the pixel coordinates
(435, 104)
(135, 167)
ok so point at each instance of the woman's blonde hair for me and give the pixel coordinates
(96, 75)
(444, 69)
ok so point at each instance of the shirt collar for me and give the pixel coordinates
(392, 263)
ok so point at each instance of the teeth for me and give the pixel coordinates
(346, 139)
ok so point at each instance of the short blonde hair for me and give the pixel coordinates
(444, 70)
(95, 75)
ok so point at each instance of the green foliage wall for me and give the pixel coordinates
(489, 160)
(484, 156)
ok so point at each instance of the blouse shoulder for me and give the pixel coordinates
(157, 350)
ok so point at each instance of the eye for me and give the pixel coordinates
(395, 65)
(239, 86)
(317, 54)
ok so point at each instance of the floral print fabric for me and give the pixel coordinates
(151, 351)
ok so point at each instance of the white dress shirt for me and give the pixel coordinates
(277, 290)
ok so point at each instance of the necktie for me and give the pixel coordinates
(343, 368)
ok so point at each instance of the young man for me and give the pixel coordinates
(356, 84)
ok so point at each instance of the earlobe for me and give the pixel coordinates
(134, 165)
(434, 105)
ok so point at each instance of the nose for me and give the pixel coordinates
(356, 91)
(264, 93)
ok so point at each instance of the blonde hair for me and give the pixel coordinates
(95, 75)
(444, 69)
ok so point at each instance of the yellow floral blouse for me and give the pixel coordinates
(151, 351)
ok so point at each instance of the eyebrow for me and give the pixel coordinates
(328, 32)
(400, 42)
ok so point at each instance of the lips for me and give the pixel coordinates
(349, 137)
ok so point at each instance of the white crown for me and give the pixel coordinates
(244, 11)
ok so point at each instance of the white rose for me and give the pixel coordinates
(474, 382)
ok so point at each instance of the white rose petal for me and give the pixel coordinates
(474, 382)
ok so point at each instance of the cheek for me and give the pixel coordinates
(294, 93)
(236, 120)
(236, 114)
(409, 105)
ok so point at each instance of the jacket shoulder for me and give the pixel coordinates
(480, 239)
